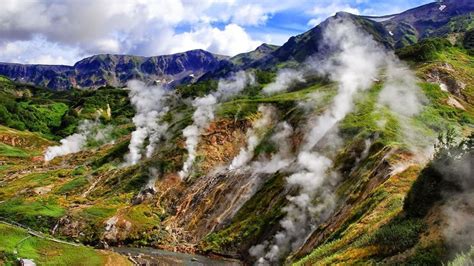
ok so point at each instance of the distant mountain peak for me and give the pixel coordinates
(435, 19)
(115, 70)
(265, 47)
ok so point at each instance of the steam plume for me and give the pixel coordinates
(150, 106)
(456, 168)
(404, 98)
(204, 113)
(254, 136)
(283, 158)
(285, 78)
(202, 116)
(87, 131)
(353, 65)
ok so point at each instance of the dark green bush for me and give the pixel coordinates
(398, 235)
(431, 255)
(444, 174)
(198, 89)
(468, 41)
(426, 50)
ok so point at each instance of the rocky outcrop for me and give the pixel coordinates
(443, 74)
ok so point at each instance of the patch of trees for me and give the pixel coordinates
(468, 41)
(447, 174)
(426, 50)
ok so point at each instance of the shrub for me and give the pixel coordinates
(468, 41)
(445, 173)
(398, 235)
(426, 50)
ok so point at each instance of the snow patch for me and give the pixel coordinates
(380, 19)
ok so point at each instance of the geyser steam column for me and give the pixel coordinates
(150, 106)
(354, 61)
(204, 113)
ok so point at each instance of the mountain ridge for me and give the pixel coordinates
(115, 70)
(393, 31)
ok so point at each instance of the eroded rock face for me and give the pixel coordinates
(209, 200)
(443, 75)
(115, 229)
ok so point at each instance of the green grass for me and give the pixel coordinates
(285, 102)
(30, 181)
(38, 213)
(39, 207)
(9, 151)
(73, 185)
(404, 232)
(463, 258)
(142, 215)
(370, 118)
(437, 115)
(42, 251)
(98, 213)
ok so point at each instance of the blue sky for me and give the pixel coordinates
(64, 31)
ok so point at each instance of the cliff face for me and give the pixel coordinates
(116, 70)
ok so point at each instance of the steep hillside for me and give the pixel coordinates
(432, 20)
(440, 19)
(18, 242)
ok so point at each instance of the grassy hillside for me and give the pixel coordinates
(16, 242)
(91, 197)
(382, 228)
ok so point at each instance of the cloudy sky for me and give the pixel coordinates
(64, 31)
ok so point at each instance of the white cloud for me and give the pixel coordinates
(47, 59)
(250, 15)
(231, 40)
(323, 11)
(78, 28)
(144, 27)
(108, 46)
(37, 51)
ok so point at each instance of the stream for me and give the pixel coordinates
(151, 256)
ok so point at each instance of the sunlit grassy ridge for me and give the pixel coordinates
(17, 242)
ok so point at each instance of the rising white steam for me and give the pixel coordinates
(232, 86)
(354, 65)
(87, 131)
(283, 158)
(153, 176)
(202, 116)
(404, 98)
(150, 104)
(204, 113)
(285, 78)
(254, 136)
(457, 169)
(400, 92)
